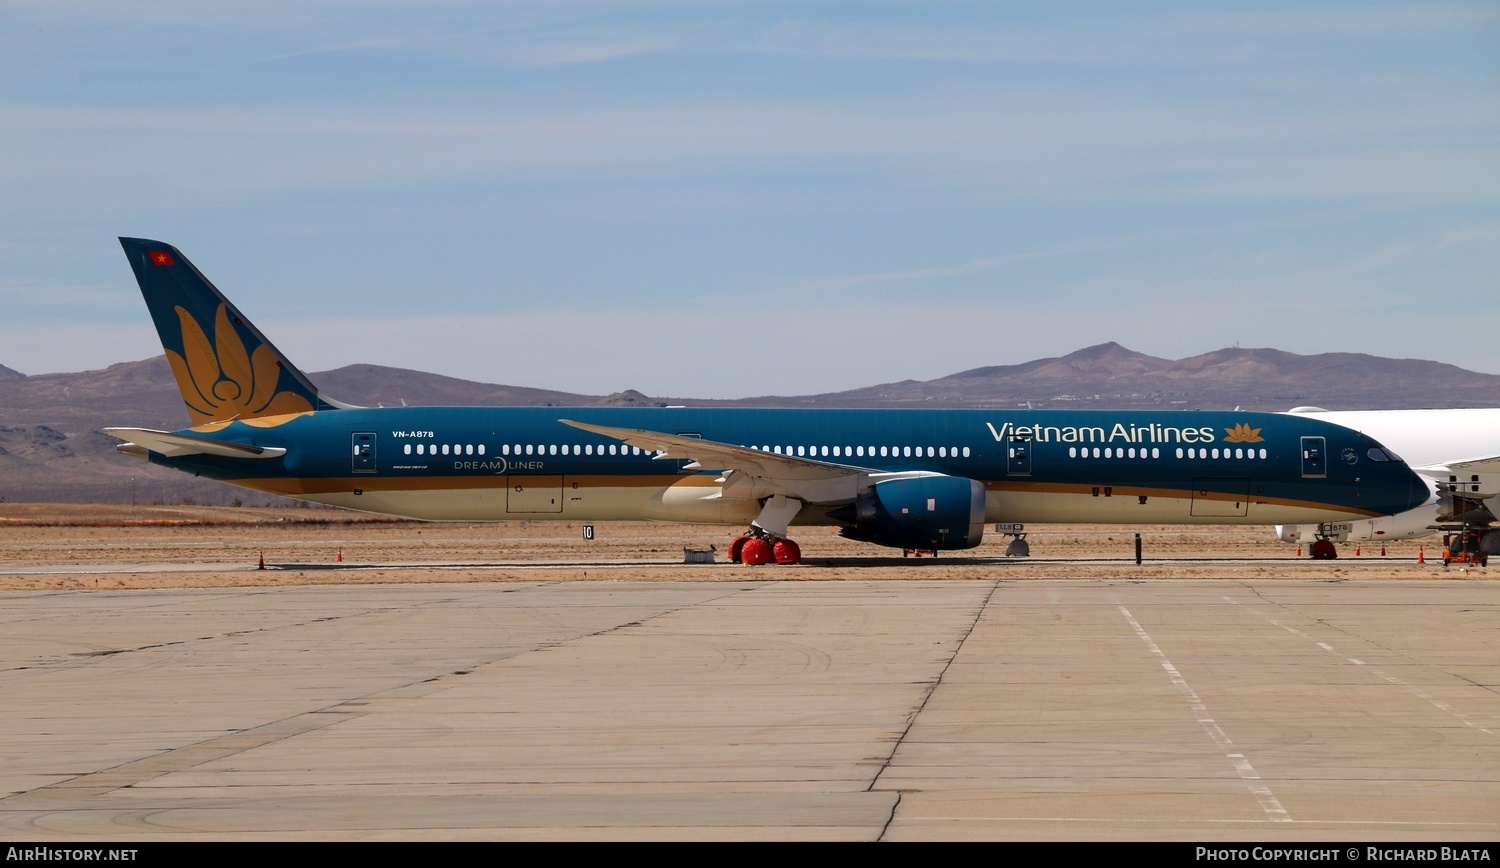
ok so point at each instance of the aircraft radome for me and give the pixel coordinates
(910, 479)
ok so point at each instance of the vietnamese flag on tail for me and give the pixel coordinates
(161, 257)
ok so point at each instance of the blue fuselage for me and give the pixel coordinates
(1035, 465)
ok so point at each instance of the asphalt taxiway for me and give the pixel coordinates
(1186, 709)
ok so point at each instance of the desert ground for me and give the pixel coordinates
(581, 689)
(72, 546)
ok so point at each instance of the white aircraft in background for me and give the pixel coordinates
(1458, 451)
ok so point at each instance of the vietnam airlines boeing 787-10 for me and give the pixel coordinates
(924, 479)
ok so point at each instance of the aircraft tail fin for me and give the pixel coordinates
(225, 368)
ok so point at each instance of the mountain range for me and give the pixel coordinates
(52, 447)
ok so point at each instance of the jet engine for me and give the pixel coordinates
(925, 512)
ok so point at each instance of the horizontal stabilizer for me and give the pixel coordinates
(178, 445)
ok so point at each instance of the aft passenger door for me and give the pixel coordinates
(363, 447)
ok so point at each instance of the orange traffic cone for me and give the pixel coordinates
(341, 557)
(262, 562)
(1299, 550)
(1421, 556)
(1356, 551)
(1382, 549)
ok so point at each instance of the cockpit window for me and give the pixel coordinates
(1378, 453)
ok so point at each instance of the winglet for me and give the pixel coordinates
(225, 368)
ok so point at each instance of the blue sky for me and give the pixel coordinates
(730, 199)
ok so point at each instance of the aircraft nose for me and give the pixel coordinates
(1411, 486)
(1387, 484)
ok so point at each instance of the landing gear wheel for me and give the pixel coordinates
(1323, 550)
(787, 552)
(737, 549)
(755, 552)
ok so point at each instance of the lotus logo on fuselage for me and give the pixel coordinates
(1243, 433)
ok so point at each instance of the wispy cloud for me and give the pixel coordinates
(992, 182)
(17, 291)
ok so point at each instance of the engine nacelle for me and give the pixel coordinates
(925, 512)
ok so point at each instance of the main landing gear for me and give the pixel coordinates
(766, 541)
(758, 547)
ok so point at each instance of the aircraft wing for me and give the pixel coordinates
(1489, 464)
(1465, 498)
(177, 445)
(767, 473)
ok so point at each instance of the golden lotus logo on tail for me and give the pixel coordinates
(1243, 433)
(220, 380)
